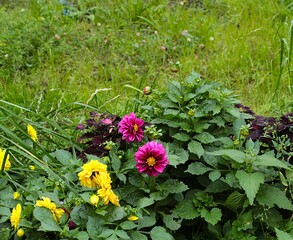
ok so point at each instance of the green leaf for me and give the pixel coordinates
(186, 210)
(171, 223)
(233, 154)
(94, 226)
(213, 216)
(281, 235)
(137, 235)
(183, 137)
(270, 196)
(235, 200)
(146, 221)
(269, 161)
(250, 182)
(172, 186)
(127, 225)
(196, 148)
(116, 162)
(145, 202)
(214, 175)
(179, 156)
(122, 234)
(205, 137)
(198, 168)
(82, 236)
(62, 156)
(105, 234)
(159, 233)
(115, 213)
(167, 103)
(45, 216)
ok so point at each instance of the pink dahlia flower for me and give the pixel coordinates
(131, 128)
(151, 158)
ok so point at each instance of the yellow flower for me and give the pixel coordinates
(16, 195)
(91, 170)
(7, 162)
(94, 200)
(103, 179)
(46, 202)
(32, 132)
(15, 216)
(107, 195)
(133, 218)
(20, 232)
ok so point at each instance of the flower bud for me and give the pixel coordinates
(20, 232)
(147, 90)
(16, 195)
(94, 200)
(133, 218)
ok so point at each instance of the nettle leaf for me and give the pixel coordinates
(233, 154)
(250, 182)
(196, 148)
(281, 235)
(159, 233)
(173, 186)
(183, 137)
(45, 216)
(205, 137)
(214, 175)
(198, 168)
(213, 216)
(270, 196)
(186, 210)
(179, 156)
(235, 200)
(269, 161)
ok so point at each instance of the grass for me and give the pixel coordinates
(87, 58)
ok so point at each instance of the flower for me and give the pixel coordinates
(16, 195)
(147, 90)
(131, 128)
(15, 216)
(132, 218)
(46, 202)
(20, 232)
(90, 175)
(94, 200)
(7, 162)
(107, 195)
(151, 158)
(32, 167)
(32, 132)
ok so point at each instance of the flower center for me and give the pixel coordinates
(151, 161)
(135, 127)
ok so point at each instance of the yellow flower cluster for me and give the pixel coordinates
(15, 216)
(32, 132)
(95, 175)
(7, 162)
(46, 202)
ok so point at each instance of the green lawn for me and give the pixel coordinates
(49, 60)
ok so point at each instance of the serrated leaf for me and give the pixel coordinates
(214, 175)
(167, 103)
(205, 137)
(281, 235)
(269, 161)
(235, 155)
(235, 200)
(159, 233)
(82, 236)
(170, 111)
(115, 161)
(213, 216)
(186, 210)
(62, 156)
(250, 182)
(127, 225)
(94, 226)
(196, 148)
(122, 234)
(172, 186)
(47, 220)
(179, 156)
(183, 137)
(270, 196)
(145, 202)
(198, 168)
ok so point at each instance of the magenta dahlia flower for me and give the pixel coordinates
(131, 128)
(151, 158)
